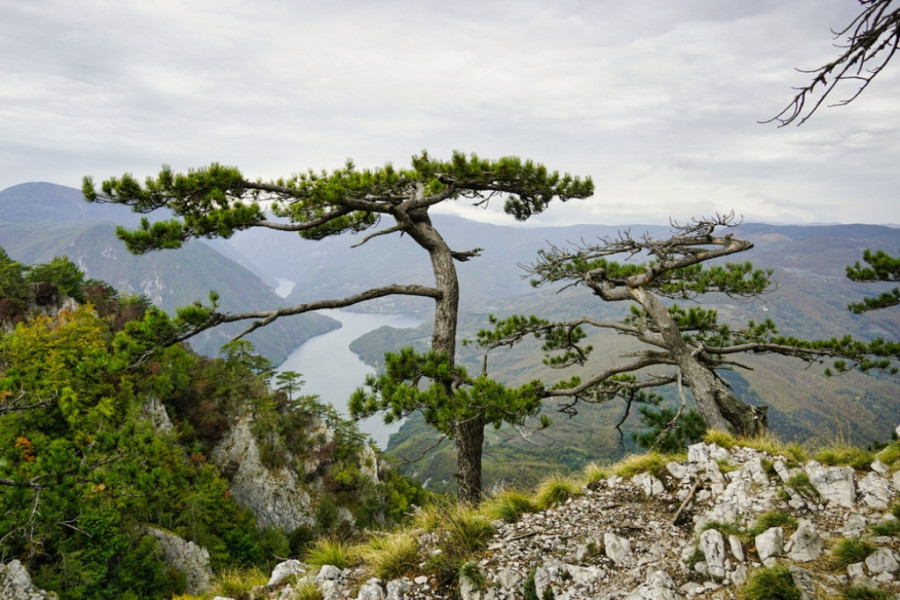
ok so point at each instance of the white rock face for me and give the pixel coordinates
(712, 544)
(187, 557)
(617, 548)
(770, 543)
(805, 545)
(275, 498)
(286, 569)
(875, 491)
(659, 586)
(154, 411)
(835, 484)
(15, 584)
(882, 561)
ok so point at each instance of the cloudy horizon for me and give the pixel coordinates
(659, 102)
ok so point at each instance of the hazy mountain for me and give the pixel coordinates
(55, 221)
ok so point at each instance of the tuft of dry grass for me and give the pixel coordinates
(555, 490)
(391, 556)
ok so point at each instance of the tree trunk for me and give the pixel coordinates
(719, 408)
(469, 436)
(468, 433)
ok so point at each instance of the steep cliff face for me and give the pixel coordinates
(276, 497)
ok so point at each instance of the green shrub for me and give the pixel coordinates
(653, 463)
(776, 583)
(849, 551)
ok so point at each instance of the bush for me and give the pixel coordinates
(776, 583)
(842, 454)
(864, 593)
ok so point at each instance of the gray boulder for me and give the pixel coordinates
(15, 584)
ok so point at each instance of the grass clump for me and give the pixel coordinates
(327, 551)
(864, 593)
(773, 518)
(653, 463)
(462, 531)
(842, 454)
(391, 556)
(890, 527)
(554, 491)
(237, 583)
(895, 509)
(723, 439)
(890, 455)
(594, 473)
(726, 528)
(507, 506)
(801, 484)
(849, 551)
(776, 583)
(308, 591)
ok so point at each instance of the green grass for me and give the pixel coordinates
(864, 593)
(507, 506)
(237, 583)
(555, 490)
(890, 455)
(308, 591)
(726, 528)
(776, 583)
(594, 473)
(801, 484)
(841, 454)
(773, 518)
(328, 551)
(764, 443)
(653, 463)
(391, 556)
(891, 527)
(849, 551)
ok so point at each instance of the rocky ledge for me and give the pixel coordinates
(695, 531)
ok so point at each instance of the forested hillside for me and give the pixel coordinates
(132, 470)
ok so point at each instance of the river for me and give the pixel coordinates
(331, 371)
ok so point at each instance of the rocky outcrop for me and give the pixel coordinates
(276, 498)
(15, 584)
(187, 557)
(681, 535)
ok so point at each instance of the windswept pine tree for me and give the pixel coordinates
(217, 201)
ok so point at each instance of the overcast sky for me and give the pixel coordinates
(657, 100)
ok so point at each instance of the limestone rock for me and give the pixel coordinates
(187, 557)
(875, 491)
(275, 498)
(835, 484)
(882, 561)
(155, 412)
(659, 586)
(770, 543)
(805, 545)
(286, 569)
(712, 544)
(371, 590)
(617, 548)
(650, 484)
(398, 589)
(15, 584)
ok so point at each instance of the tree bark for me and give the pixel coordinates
(719, 408)
(469, 436)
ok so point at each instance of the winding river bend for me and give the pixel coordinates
(331, 371)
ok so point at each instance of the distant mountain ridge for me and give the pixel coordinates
(39, 221)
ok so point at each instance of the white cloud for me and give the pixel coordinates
(658, 101)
